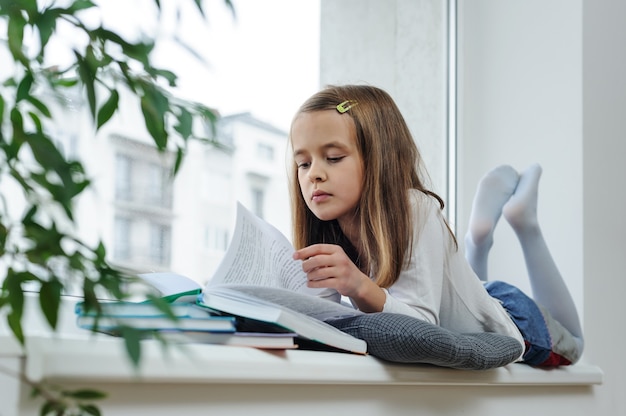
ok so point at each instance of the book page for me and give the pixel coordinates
(315, 307)
(259, 254)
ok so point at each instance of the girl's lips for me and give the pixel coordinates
(319, 196)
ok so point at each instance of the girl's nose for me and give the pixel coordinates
(316, 173)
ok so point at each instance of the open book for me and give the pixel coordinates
(259, 254)
(258, 279)
(303, 314)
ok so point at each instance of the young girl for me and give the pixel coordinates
(366, 225)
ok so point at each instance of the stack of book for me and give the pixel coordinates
(251, 316)
(189, 323)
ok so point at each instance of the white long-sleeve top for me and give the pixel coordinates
(438, 285)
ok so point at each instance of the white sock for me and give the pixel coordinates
(494, 190)
(547, 285)
(521, 209)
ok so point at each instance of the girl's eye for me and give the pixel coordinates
(334, 159)
(302, 165)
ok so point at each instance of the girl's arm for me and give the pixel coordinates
(418, 290)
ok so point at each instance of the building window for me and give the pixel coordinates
(216, 238)
(157, 186)
(160, 238)
(258, 201)
(142, 182)
(123, 177)
(122, 249)
(265, 151)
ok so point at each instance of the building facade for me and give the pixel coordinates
(152, 220)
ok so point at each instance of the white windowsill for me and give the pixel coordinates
(104, 359)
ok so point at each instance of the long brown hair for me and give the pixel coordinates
(393, 166)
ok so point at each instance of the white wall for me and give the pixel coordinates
(604, 203)
(520, 101)
(539, 81)
(400, 46)
(543, 81)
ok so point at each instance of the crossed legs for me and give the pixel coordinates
(504, 192)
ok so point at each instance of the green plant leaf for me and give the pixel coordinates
(36, 120)
(36, 390)
(64, 82)
(15, 33)
(90, 300)
(50, 300)
(46, 25)
(168, 75)
(52, 407)
(161, 305)
(100, 251)
(185, 120)
(85, 394)
(154, 105)
(13, 286)
(15, 174)
(46, 152)
(4, 233)
(132, 338)
(1, 109)
(78, 5)
(17, 123)
(199, 6)
(180, 155)
(108, 108)
(57, 191)
(15, 323)
(46, 241)
(138, 51)
(29, 6)
(50, 158)
(87, 77)
(43, 109)
(89, 409)
(115, 282)
(23, 88)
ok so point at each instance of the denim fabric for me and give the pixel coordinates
(528, 318)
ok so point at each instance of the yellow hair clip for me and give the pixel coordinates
(346, 105)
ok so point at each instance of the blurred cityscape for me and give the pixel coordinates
(150, 220)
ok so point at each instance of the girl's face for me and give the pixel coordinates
(330, 168)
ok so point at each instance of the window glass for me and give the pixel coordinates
(255, 77)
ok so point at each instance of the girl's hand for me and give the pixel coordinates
(328, 266)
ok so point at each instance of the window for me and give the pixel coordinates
(157, 222)
(216, 238)
(123, 177)
(142, 203)
(157, 189)
(122, 244)
(258, 201)
(159, 249)
(265, 151)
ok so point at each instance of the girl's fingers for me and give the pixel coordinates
(314, 250)
(321, 273)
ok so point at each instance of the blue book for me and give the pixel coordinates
(147, 308)
(156, 323)
(150, 316)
